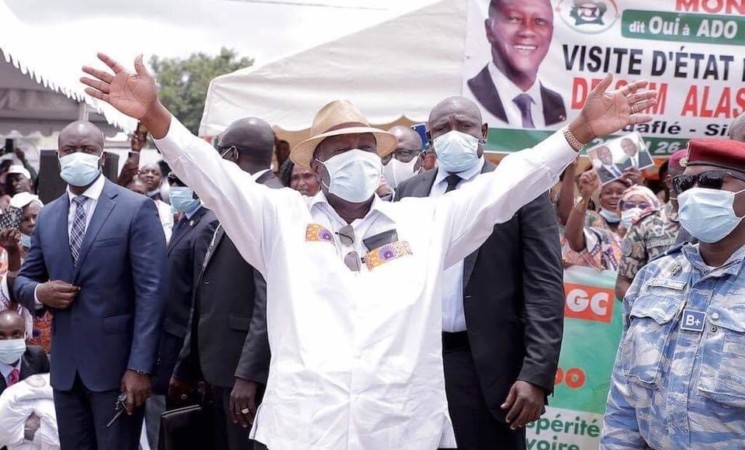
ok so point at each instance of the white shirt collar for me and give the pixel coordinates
(508, 91)
(94, 190)
(466, 175)
(5, 369)
(320, 201)
(257, 175)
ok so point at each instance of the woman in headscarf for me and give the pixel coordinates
(17, 241)
(600, 247)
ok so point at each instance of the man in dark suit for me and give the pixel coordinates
(227, 342)
(634, 158)
(518, 48)
(604, 165)
(189, 242)
(18, 361)
(97, 261)
(503, 306)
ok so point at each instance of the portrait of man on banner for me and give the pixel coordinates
(519, 33)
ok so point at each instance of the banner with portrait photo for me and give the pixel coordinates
(530, 65)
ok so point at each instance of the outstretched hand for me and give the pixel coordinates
(133, 93)
(606, 112)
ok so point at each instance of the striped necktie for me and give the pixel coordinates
(78, 227)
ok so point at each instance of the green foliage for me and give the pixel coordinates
(183, 83)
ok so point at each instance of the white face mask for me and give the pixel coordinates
(355, 175)
(628, 216)
(396, 172)
(708, 214)
(79, 169)
(11, 350)
(609, 216)
(456, 151)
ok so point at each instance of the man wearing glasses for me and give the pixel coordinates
(406, 159)
(653, 233)
(678, 380)
(353, 283)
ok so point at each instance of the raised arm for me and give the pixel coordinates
(243, 207)
(575, 229)
(469, 214)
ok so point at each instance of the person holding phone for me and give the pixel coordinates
(16, 240)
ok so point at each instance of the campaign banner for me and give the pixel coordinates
(592, 331)
(530, 65)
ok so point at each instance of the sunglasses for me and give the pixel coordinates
(712, 179)
(404, 155)
(631, 205)
(352, 259)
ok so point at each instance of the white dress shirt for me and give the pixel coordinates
(34, 395)
(5, 370)
(453, 312)
(613, 169)
(93, 193)
(166, 218)
(356, 356)
(507, 93)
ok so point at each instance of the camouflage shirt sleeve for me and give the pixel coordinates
(633, 252)
(620, 424)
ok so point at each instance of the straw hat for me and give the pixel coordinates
(337, 118)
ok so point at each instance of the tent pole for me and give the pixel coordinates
(83, 111)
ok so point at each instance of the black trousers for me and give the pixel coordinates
(475, 427)
(228, 435)
(82, 416)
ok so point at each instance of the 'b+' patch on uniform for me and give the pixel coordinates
(693, 320)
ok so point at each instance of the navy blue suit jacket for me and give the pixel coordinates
(186, 253)
(114, 322)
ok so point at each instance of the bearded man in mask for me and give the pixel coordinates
(353, 283)
(678, 381)
(97, 262)
(508, 339)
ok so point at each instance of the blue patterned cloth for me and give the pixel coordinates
(679, 378)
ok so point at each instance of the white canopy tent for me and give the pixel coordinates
(28, 107)
(39, 87)
(394, 72)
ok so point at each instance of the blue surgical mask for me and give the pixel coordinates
(11, 350)
(182, 199)
(708, 214)
(609, 216)
(355, 175)
(456, 151)
(25, 240)
(80, 169)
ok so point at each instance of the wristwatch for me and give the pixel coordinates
(572, 139)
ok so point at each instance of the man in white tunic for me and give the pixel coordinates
(353, 291)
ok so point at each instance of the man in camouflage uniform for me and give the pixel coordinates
(651, 234)
(679, 377)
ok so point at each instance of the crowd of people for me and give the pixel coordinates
(368, 289)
